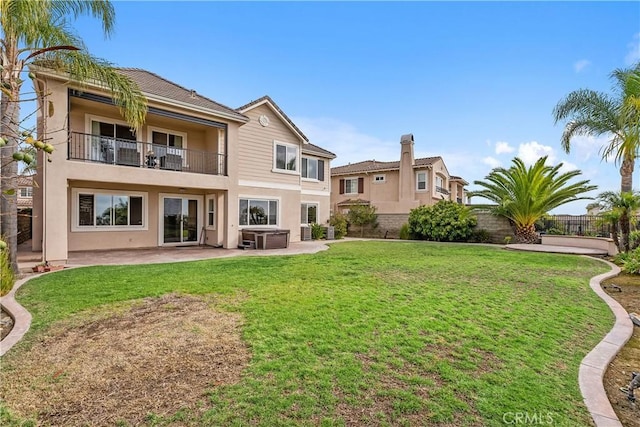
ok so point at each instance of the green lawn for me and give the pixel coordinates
(383, 333)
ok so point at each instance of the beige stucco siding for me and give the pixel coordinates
(288, 207)
(256, 148)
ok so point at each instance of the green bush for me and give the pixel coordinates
(629, 262)
(480, 235)
(554, 231)
(404, 232)
(446, 221)
(7, 278)
(339, 222)
(317, 231)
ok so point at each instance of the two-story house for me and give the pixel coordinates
(395, 188)
(190, 175)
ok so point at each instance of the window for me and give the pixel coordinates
(97, 210)
(313, 168)
(379, 179)
(439, 181)
(421, 180)
(286, 157)
(167, 139)
(26, 192)
(211, 212)
(113, 143)
(258, 212)
(309, 213)
(351, 186)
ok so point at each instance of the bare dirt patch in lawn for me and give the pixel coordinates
(628, 360)
(158, 357)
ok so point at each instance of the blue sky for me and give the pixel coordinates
(475, 82)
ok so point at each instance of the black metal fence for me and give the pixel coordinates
(578, 225)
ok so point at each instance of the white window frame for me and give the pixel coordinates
(307, 178)
(27, 190)
(170, 150)
(379, 179)
(75, 214)
(210, 198)
(356, 185)
(261, 199)
(288, 146)
(90, 142)
(317, 205)
(426, 181)
(199, 218)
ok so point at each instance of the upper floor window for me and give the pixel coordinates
(285, 157)
(379, 178)
(313, 168)
(167, 139)
(352, 185)
(440, 188)
(258, 212)
(26, 192)
(421, 180)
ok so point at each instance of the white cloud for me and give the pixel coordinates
(633, 55)
(348, 143)
(581, 65)
(586, 147)
(492, 162)
(568, 167)
(530, 152)
(503, 147)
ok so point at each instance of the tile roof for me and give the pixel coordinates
(314, 149)
(267, 98)
(153, 84)
(25, 180)
(458, 178)
(373, 166)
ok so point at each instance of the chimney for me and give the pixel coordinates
(407, 176)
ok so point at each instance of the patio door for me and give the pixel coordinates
(180, 220)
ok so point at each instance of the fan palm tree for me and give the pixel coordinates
(623, 207)
(618, 116)
(37, 33)
(524, 194)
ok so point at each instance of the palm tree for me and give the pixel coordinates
(524, 194)
(618, 116)
(37, 34)
(623, 207)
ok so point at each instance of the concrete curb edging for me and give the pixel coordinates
(21, 317)
(596, 362)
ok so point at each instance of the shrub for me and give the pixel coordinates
(629, 261)
(317, 231)
(554, 231)
(446, 221)
(480, 235)
(7, 277)
(404, 232)
(339, 223)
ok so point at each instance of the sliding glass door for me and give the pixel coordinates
(180, 220)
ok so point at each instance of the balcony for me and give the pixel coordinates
(442, 190)
(138, 154)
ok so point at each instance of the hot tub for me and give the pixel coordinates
(266, 238)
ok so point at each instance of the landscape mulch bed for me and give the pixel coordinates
(159, 357)
(628, 360)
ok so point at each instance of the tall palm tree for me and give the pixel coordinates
(623, 207)
(37, 33)
(524, 194)
(618, 116)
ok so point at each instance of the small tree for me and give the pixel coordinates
(620, 208)
(362, 215)
(446, 221)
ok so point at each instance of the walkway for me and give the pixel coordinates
(557, 249)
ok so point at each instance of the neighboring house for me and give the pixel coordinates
(191, 175)
(395, 188)
(25, 192)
